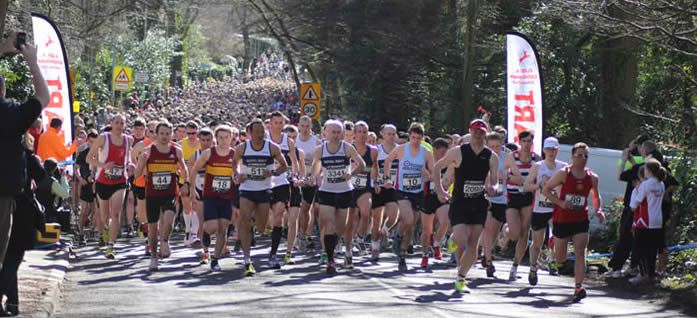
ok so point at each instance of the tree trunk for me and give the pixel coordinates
(3, 13)
(618, 77)
(468, 63)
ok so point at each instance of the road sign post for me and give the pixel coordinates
(310, 100)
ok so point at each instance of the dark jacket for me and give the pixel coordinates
(23, 235)
(15, 120)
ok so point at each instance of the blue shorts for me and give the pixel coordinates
(215, 208)
(259, 197)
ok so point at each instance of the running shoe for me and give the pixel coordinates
(402, 264)
(323, 258)
(331, 269)
(484, 262)
(226, 251)
(374, 254)
(513, 275)
(288, 259)
(249, 270)
(553, 271)
(105, 235)
(273, 263)
(424, 262)
(339, 247)
(153, 265)
(532, 278)
(461, 285)
(102, 243)
(451, 248)
(205, 257)
(195, 242)
(348, 262)
(490, 269)
(579, 293)
(436, 253)
(215, 266)
(147, 250)
(110, 252)
(164, 250)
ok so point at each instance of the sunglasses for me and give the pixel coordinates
(581, 156)
(151, 131)
(191, 133)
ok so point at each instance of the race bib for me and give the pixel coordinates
(578, 203)
(161, 180)
(114, 173)
(543, 201)
(336, 175)
(199, 180)
(473, 189)
(308, 171)
(360, 180)
(256, 173)
(411, 182)
(221, 184)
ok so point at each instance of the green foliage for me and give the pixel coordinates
(17, 78)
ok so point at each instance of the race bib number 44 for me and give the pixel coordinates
(161, 180)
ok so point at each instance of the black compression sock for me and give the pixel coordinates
(275, 239)
(206, 239)
(329, 245)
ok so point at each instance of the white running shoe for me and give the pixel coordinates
(614, 274)
(514, 273)
(153, 265)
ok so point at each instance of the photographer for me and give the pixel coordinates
(15, 120)
(624, 244)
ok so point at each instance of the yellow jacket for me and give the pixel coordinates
(51, 145)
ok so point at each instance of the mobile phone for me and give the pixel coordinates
(20, 39)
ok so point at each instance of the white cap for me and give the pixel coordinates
(551, 142)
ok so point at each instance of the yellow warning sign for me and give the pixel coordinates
(122, 78)
(310, 101)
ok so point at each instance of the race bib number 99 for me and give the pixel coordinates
(578, 203)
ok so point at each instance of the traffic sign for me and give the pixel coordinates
(141, 77)
(310, 101)
(122, 78)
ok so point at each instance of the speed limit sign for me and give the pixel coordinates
(310, 109)
(310, 100)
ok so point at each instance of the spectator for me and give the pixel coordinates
(36, 130)
(51, 143)
(24, 226)
(52, 185)
(15, 120)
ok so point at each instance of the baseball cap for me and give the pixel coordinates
(551, 142)
(479, 124)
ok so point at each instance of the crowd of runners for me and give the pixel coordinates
(350, 190)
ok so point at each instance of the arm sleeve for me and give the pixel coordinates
(61, 189)
(629, 174)
(638, 195)
(29, 112)
(64, 151)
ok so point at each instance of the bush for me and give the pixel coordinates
(603, 239)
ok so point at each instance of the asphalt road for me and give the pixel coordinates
(98, 287)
